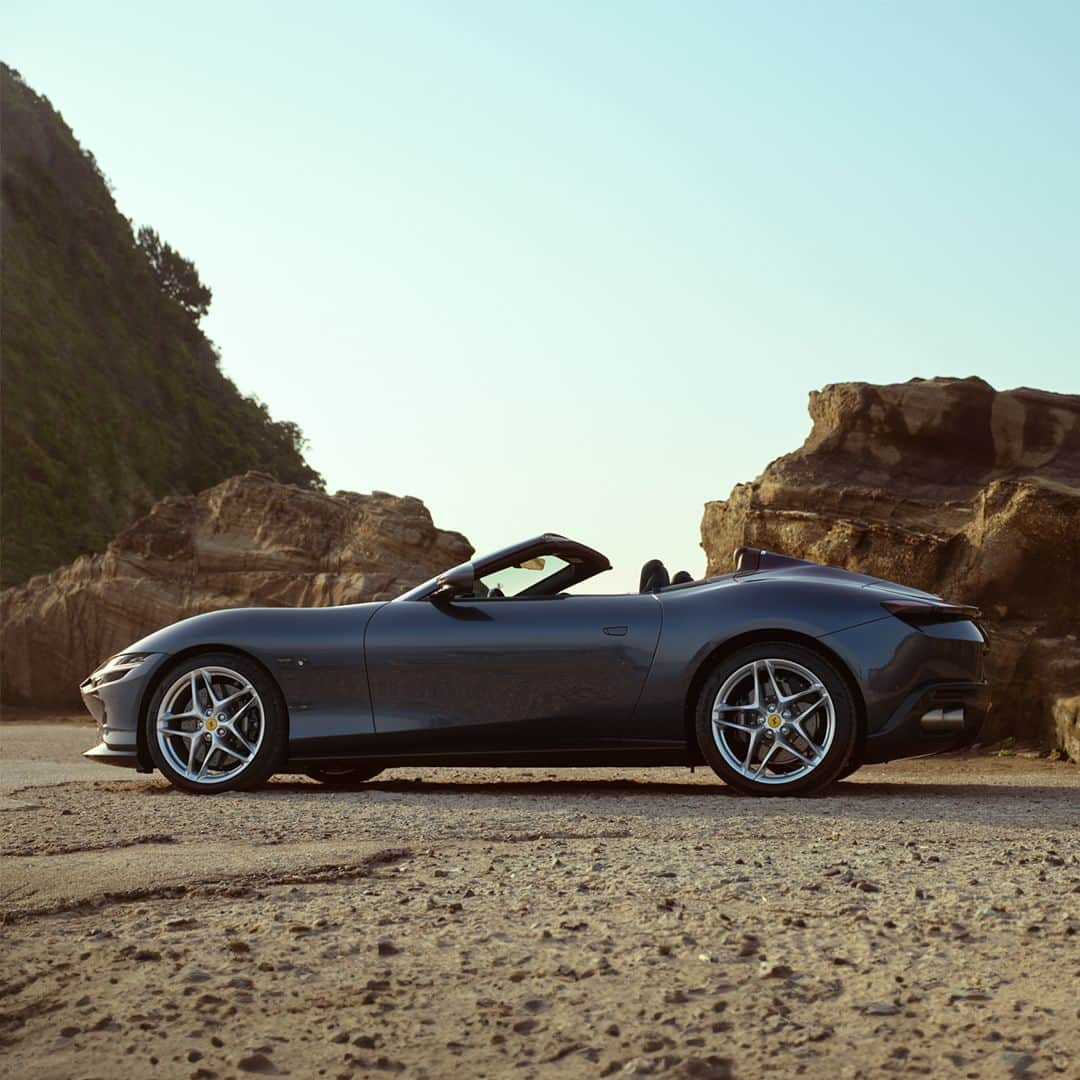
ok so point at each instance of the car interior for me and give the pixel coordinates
(521, 579)
(542, 568)
(654, 577)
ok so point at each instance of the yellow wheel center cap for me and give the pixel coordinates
(210, 724)
(773, 720)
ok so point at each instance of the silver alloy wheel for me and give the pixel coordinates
(210, 724)
(773, 721)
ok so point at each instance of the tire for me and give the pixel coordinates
(344, 777)
(797, 747)
(230, 742)
(848, 769)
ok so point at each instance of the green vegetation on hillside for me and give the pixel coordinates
(111, 394)
(176, 276)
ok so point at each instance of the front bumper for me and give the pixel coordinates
(916, 728)
(105, 755)
(114, 699)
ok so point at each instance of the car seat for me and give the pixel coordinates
(654, 576)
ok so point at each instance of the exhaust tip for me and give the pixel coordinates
(940, 721)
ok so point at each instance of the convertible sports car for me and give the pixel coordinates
(783, 675)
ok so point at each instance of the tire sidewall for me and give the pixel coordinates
(848, 769)
(271, 752)
(838, 755)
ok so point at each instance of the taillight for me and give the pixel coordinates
(924, 613)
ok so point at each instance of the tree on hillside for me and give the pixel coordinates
(176, 276)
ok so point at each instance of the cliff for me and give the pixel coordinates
(110, 394)
(249, 541)
(951, 486)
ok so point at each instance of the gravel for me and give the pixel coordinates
(921, 918)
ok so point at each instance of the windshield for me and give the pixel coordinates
(529, 568)
(514, 580)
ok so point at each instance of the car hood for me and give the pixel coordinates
(236, 626)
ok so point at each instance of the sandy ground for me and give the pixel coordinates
(921, 918)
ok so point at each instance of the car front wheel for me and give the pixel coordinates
(216, 723)
(776, 719)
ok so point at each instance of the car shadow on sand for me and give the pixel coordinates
(1018, 805)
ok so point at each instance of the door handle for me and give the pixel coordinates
(616, 631)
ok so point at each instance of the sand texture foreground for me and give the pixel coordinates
(921, 919)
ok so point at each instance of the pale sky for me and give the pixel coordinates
(576, 266)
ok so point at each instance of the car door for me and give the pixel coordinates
(504, 673)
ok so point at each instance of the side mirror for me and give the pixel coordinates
(457, 579)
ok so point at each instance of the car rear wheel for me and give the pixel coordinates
(342, 777)
(776, 719)
(216, 723)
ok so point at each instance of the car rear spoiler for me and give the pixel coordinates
(748, 559)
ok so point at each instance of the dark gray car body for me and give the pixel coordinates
(561, 679)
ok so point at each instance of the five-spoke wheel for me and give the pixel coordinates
(216, 723)
(776, 719)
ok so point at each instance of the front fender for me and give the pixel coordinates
(315, 655)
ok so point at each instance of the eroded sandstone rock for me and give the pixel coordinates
(951, 486)
(249, 541)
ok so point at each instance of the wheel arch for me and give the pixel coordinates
(791, 637)
(142, 748)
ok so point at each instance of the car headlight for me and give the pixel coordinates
(129, 660)
(116, 667)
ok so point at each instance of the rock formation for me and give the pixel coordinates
(249, 541)
(950, 486)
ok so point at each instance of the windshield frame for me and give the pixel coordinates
(584, 562)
